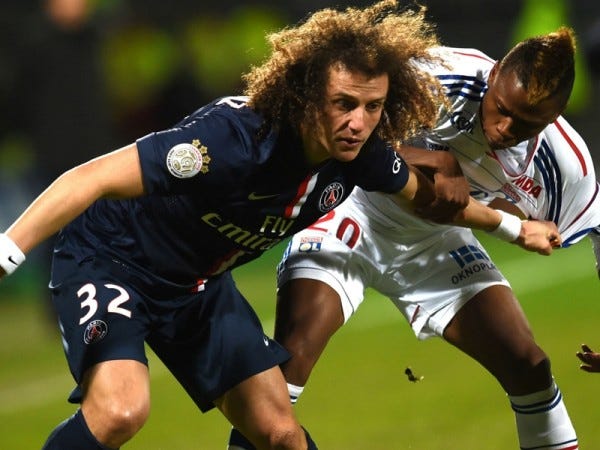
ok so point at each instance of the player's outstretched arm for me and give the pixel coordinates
(533, 235)
(116, 175)
(536, 236)
(590, 359)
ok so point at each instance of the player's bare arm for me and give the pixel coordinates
(451, 187)
(74, 191)
(537, 236)
(505, 205)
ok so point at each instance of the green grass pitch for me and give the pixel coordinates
(358, 397)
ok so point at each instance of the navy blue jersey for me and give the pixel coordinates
(219, 194)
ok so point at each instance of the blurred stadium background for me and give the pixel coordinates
(81, 77)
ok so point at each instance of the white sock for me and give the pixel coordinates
(295, 392)
(543, 421)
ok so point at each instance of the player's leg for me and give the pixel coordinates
(116, 401)
(215, 346)
(493, 329)
(260, 409)
(321, 282)
(115, 406)
(464, 297)
(308, 314)
(104, 347)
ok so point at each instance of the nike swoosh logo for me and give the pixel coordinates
(255, 196)
(10, 258)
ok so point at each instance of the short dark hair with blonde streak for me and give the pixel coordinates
(289, 87)
(544, 64)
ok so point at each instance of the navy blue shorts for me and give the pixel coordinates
(210, 340)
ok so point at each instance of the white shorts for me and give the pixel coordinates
(428, 271)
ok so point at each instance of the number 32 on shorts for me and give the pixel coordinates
(89, 302)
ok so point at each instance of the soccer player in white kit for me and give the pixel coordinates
(504, 128)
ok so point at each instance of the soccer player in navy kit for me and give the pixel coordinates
(150, 232)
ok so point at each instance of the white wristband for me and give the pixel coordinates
(509, 228)
(11, 256)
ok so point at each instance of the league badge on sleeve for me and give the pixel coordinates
(187, 160)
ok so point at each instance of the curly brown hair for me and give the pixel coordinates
(289, 87)
(544, 64)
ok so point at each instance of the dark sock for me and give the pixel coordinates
(238, 439)
(73, 434)
(311, 443)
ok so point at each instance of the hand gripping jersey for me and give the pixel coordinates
(218, 194)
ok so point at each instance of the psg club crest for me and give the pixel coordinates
(95, 331)
(187, 160)
(332, 195)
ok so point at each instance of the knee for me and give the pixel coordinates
(127, 419)
(286, 436)
(530, 360)
(115, 420)
(298, 368)
(529, 373)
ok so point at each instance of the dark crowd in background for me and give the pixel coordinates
(81, 77)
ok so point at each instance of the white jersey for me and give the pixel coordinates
(549, 177)
(369, 241)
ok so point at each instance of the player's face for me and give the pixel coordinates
(506, 115)
(352, 109)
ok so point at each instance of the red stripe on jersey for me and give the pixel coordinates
(414, 316)
(300, 195)
(200, 285)
(586, 207)
(573, 146)
(475, 55)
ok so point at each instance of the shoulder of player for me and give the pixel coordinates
(237, 127)
(463, 72)
(465, 62)
(232, 109)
